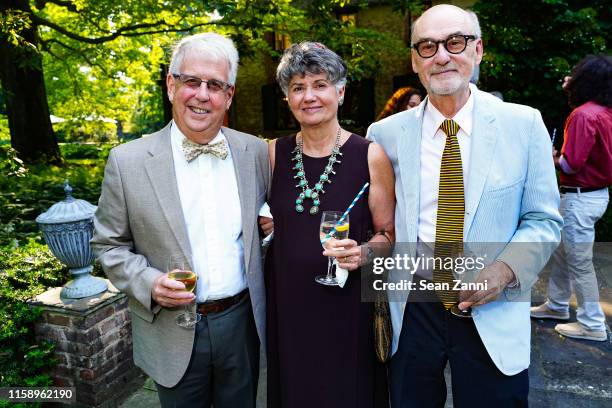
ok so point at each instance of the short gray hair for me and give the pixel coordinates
(312, 58)
(210, 44)
(475, 23)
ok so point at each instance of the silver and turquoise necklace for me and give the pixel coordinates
(307, 193)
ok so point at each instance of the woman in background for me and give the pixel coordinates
(403, 99)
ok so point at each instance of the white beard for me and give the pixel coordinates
(446, 87)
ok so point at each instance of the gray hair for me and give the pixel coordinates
(475, 23)
(473, 18)
(312, 58)
(210, 44)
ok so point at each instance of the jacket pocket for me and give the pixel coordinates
(141, 312)
(500, 191)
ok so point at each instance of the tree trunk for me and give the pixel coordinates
(27, 109)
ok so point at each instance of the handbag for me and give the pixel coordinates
(383, 330)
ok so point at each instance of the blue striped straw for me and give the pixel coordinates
(341, 220)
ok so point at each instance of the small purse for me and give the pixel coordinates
(383, 330)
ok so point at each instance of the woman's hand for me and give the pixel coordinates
(346, 251)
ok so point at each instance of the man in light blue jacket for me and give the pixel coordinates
(473, 169)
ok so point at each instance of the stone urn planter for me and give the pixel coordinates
(67, 227)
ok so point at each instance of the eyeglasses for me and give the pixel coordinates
(193, 82)
(455, 44)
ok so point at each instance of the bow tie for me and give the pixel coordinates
(193, 150)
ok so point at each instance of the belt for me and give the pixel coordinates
(220, 305)
(564, 189)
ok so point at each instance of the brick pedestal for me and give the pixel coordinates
(93, 341)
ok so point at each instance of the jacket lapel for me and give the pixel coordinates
(484, 138)
(244, 166)
(160, 169)
(409, 160)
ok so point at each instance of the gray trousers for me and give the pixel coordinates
(573, 260)
(224, 366)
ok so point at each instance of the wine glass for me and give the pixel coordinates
(458, 252)
(329, 221)
(179, 270)
(467, 313)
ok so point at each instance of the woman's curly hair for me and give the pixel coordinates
(398, 101)
(591, 80)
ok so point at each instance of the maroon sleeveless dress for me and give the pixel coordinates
(320, 350)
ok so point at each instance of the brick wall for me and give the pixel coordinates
(93, 346)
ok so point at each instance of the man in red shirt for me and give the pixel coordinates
(585, 168)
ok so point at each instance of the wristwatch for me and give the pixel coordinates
(370, 255)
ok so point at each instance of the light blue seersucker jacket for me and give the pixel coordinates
(511, 199)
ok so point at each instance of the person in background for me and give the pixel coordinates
(585, 173)
(404, 98)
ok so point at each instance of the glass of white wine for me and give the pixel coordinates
(179, 270)
(329, 221)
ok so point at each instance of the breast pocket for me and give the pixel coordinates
(504, 190)
(500, 207)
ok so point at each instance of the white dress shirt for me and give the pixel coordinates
(432, 147)
(211, 207)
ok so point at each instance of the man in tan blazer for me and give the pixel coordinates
(192, 190)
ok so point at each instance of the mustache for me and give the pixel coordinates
(443, 69)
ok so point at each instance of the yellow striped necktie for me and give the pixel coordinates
(449, 220)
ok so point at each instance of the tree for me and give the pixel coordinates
(87, 41)
(32, 29)
(530, 46)
(23, 83)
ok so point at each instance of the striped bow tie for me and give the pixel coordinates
(192, 150)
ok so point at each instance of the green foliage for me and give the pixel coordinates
(407, 6)
(10, 164)
(25, 195)
(27, 267)
(102, 59)
(530, 46)
(25, 271)
(77, 151)
(12, 24)
(5, 136)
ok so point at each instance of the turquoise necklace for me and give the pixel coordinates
(307, 193)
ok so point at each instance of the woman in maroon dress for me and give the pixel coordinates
(320, 338)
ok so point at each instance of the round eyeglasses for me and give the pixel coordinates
(193, 82)
(455, 44)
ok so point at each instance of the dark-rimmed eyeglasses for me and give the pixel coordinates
(193, 82)
(455, 44)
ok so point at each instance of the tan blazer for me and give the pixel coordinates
(139, 224)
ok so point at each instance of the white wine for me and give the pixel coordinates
(188, 278)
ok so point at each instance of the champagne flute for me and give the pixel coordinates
(179, 270)
(329, 220)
